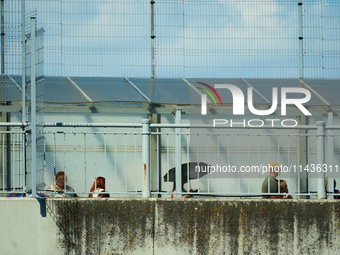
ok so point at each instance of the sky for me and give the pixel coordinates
(194, 38)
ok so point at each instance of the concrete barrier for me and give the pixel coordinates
(168, 226)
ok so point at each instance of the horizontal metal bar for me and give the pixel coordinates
(234, 134)
(136, 125)
(232, 194)
(12, 132)
(227, 127)
(60, 108)
(64, 124)
(332, 127)
(89, 133)
(13, 124)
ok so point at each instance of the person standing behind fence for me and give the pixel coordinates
(284, 189)
(99, 186)
(274, 171)
(335, 190)
(60, 186)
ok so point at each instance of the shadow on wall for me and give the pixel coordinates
(65, 213)
(103, 226)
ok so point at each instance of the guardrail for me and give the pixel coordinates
(12, 158)
(134, 158)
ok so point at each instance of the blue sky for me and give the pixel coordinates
(194, 39)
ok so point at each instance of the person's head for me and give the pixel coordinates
(283, 186)
(274, 168)
(60, 179)
(326, 183)
(98, 183)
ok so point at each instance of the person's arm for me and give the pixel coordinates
(173, 190)
(191, 191)
(289, 196)
(104, 195)
(281, 197)
(185, 196)
(277, 197)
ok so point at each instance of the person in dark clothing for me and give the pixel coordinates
(273, 183)
(335, 190)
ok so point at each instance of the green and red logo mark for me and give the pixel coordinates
(209, 93)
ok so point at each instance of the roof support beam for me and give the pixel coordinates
(256, 91)
(195, 89)
(316, 93)
(80, 90)
(138, 90)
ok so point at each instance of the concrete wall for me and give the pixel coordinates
(168, 226)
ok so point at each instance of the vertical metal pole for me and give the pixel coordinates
(330, 153)
(2, 20)
(2, 37)
(14, 173)
(23, 165)
(303, 157)
(146, 156)
(23, 59)
(85, 166)
(152, 40)
(320, 136)
(23, 82)
(300, 39)
(33, 111)
(3, 115)
(322, 40)
(154, 155)
(178, 154)
(3, 162)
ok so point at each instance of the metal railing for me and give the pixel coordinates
(12, 158)
(134, 158)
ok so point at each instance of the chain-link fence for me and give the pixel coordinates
(239, 158)
(181, 38)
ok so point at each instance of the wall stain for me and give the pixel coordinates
(195, 226)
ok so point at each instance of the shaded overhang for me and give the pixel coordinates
(168, 92)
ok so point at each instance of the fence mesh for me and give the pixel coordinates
(186, 38)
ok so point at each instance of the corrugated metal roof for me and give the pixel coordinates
(264, 87)
(9, 90)
(166, 91)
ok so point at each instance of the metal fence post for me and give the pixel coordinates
(300, 19)
(330, 153)
(24, 162)
(178, 154)
(23, 59)
(320, 146)
(152, 39)
(33, 111)
(146, 156)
